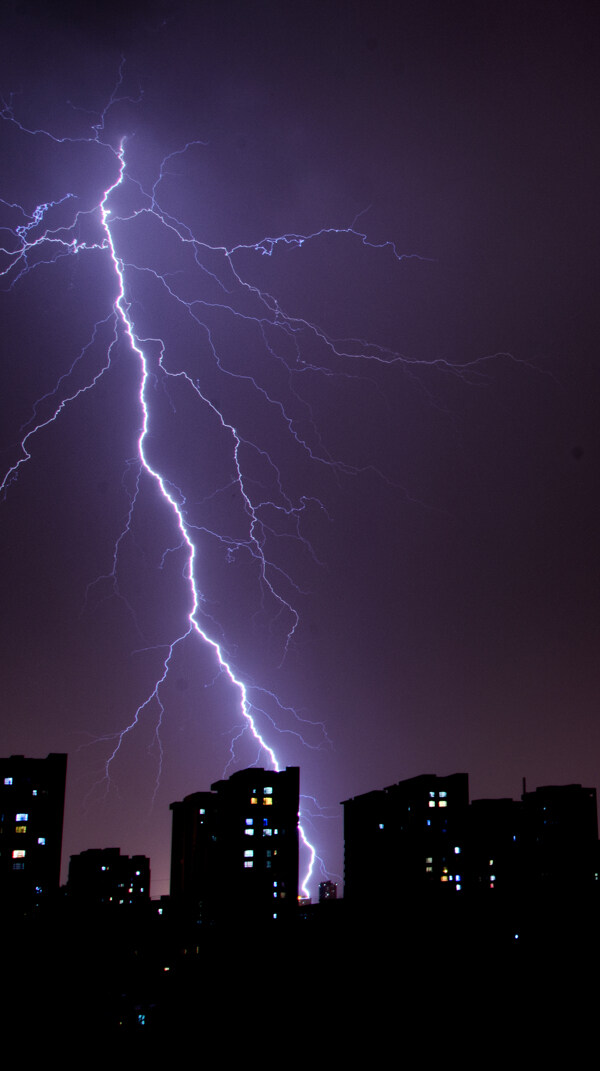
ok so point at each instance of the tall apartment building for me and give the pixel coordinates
(234, 853)
(32, 798)
(405, 840)
(102, 876)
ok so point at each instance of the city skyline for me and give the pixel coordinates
(449, 616)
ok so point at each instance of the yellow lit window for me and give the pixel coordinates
(20, 829)
(253, 799)
(267, 801)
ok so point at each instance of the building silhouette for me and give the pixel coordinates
(406, 840)
(32, 798)
(421, 838)
(103, 877)
(234, 853)
(327, 891)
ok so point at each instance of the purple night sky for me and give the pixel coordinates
(449, 606)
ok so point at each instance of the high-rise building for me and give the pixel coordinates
(32, 798)
(102, 876)
(234, 854)
(406, 840)
(560, 830)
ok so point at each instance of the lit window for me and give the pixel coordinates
(267, 801)
(444, 877)
(21, 817)
(41, 840)
(267, 791)
(138, 873)
(253, 799)
(274, 895)
(429, 859)
(429, 870)
(249, 832)
(458, 886)
(34, 793)
(274, 884)
(202, 810)
(432, 795)
(381, 825)
(267, 832)
(443, 795)
(457, 850)
(248, 862)
(432, 803)
(248, 853)
(19, 853)
(442, 803)
(38, 890)
(249, 821)
(275, 915)
(492, 877)
(20, 829)
(8, 780)
(491, 862)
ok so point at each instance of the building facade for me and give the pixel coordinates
(32, 799)
(103, 877)
(234, 853)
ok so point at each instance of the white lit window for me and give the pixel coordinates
(432, 795)
(19, 853)
(249, 832)
(381, 825)
(442, 803)
(274, 884)
(248, 863)
(457, 850)
(432, 803)
(267, 832)
(138, 873)
(267, 791)
(248, 853)
(22, 816)
(249, 821)
(202, 810)
(8, 780)
(443, 795)
(429, 859)
(41, 840)
(34, 793)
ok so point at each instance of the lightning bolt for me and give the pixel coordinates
(212, 285)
